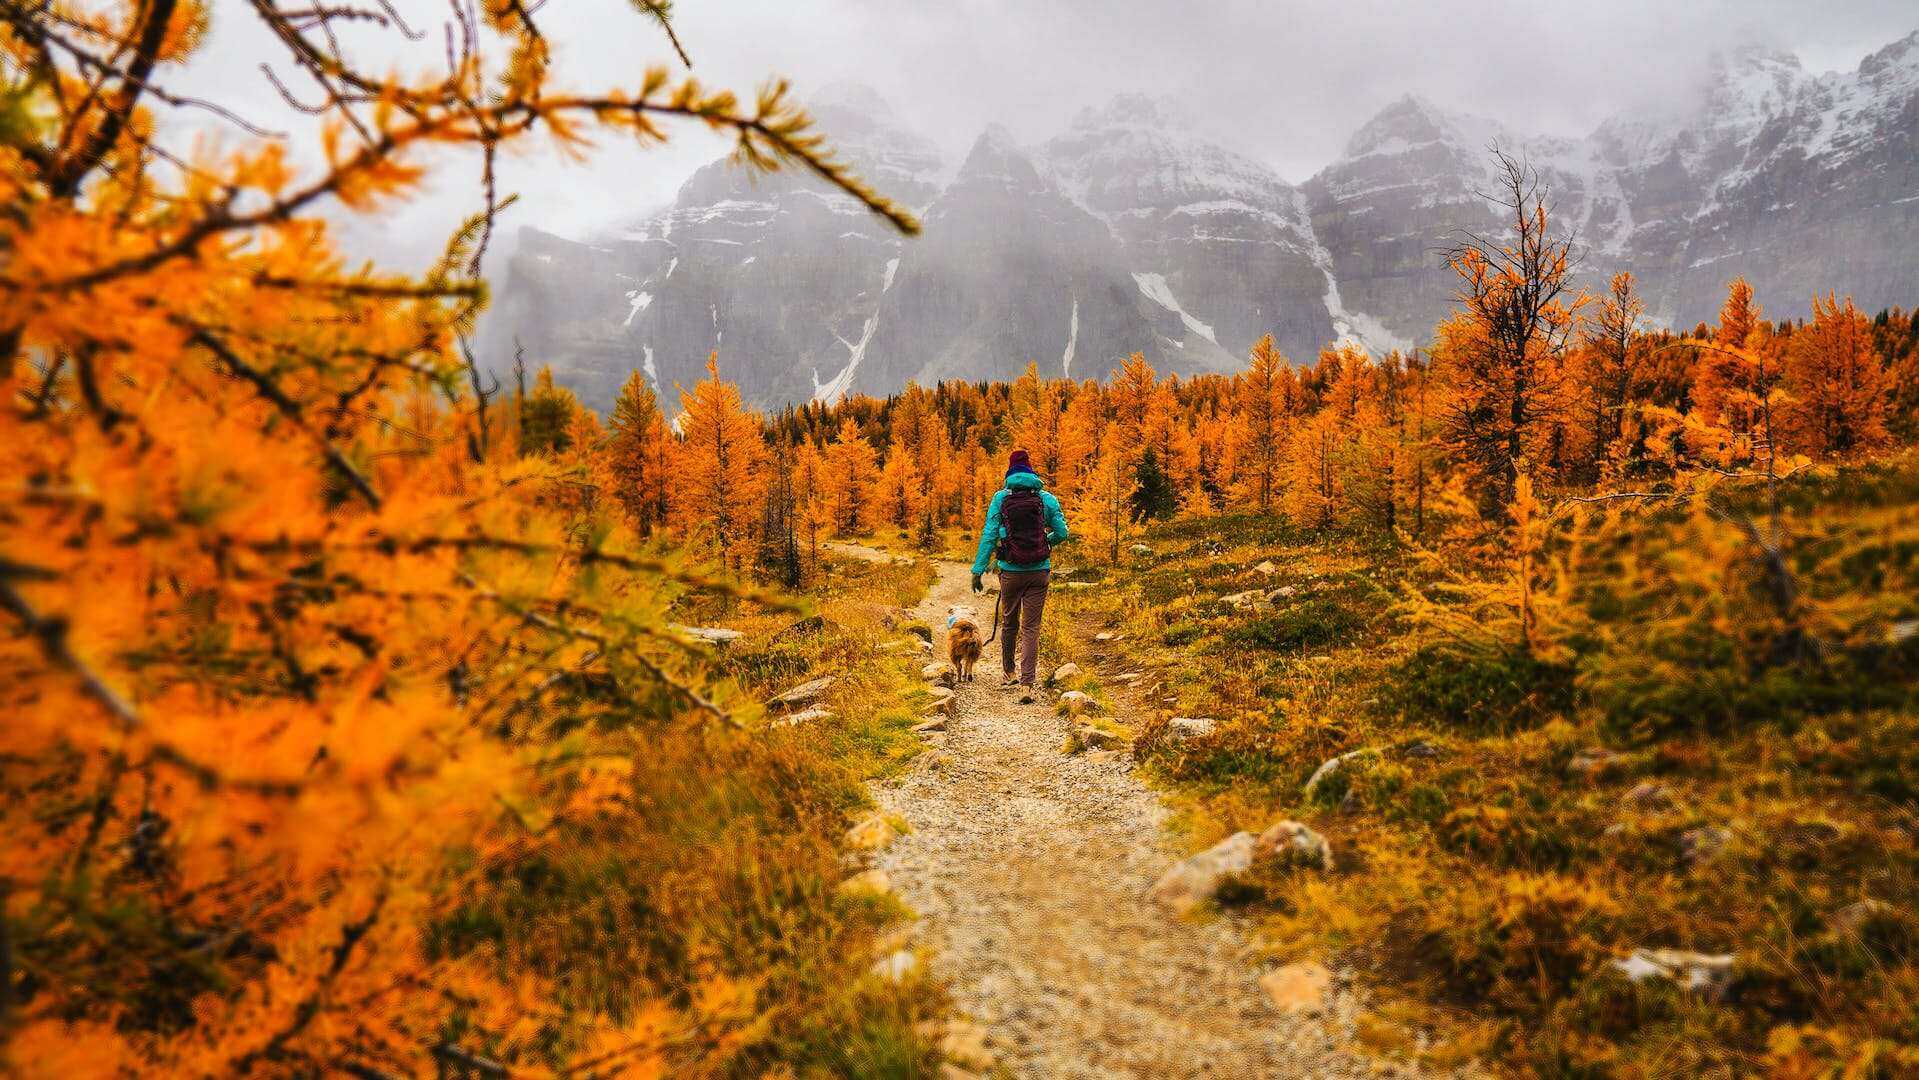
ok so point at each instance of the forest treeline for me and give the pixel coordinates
(1578, 394)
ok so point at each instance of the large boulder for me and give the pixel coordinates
(1193, 881)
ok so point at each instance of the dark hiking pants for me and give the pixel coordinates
(1022, 602)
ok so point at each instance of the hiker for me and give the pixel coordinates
(1023, 523)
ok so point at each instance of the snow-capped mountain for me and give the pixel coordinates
(1801, 183)
(1130, 231)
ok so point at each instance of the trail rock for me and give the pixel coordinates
(1298, 989)
(1106, 635)
(1705, 974)
(1076, 702)
(934, 672)
(1284, 592)
(937, 723)
(1267, 568)
(872, 833)
(1094, 738)
(1250, 598)
(1064, 672)
(1296, 843)
(1142, 550)
(1194, 881)
(866, 883)
(1191, 727)
(804, 694)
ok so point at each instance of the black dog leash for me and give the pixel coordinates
(997, 597)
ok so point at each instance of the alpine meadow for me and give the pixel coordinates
(1457, 615)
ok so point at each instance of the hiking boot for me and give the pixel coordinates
(1027, 695)
(1008, 681)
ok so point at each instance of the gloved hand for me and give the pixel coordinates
(977, 586)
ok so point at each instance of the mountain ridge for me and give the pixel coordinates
(1129, 231)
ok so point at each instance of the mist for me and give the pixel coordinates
(1285, 83)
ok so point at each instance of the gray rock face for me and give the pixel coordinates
(781, 274)
(1131, 232)
(1799, 182)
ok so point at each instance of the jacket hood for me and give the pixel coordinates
(1030, 481)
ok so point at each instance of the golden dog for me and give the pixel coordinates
(962, 646)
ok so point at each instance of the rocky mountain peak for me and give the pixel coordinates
(996, 157)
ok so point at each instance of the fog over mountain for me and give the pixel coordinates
(1131, 227)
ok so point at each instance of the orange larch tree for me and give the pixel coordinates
(718, 468)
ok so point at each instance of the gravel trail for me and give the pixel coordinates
(1030, 868)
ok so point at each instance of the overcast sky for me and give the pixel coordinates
(1287, 82)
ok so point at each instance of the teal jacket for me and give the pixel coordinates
(989, 537)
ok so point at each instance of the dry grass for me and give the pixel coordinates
(1488, 878)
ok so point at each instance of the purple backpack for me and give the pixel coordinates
(1022, 517)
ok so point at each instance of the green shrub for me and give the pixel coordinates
(1479, 691)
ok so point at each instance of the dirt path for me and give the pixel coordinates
(1030, 868)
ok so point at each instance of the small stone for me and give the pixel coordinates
(1284, 592)
(934, 672)
(804, 716)
(810, 625)
(1296, 843)
(717, 635)
(895, 966)
(937, 723)
(1649, 796)
(1703, 844)
(1707, 975)
(1901, 632)
(1191, 882)
(1076, 702)
(866, 883)
(1142, 550)
(1095, 738)
(964, 1044)
(1298, 989)
(1267, 568)
(1853, 919)
(872, 833)
(804, 694)
(1191, 727)
(1332, 765)
(1063, 673)
(1594, 761)
(1244, 599)
(1420, 748)
(1105, 635)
